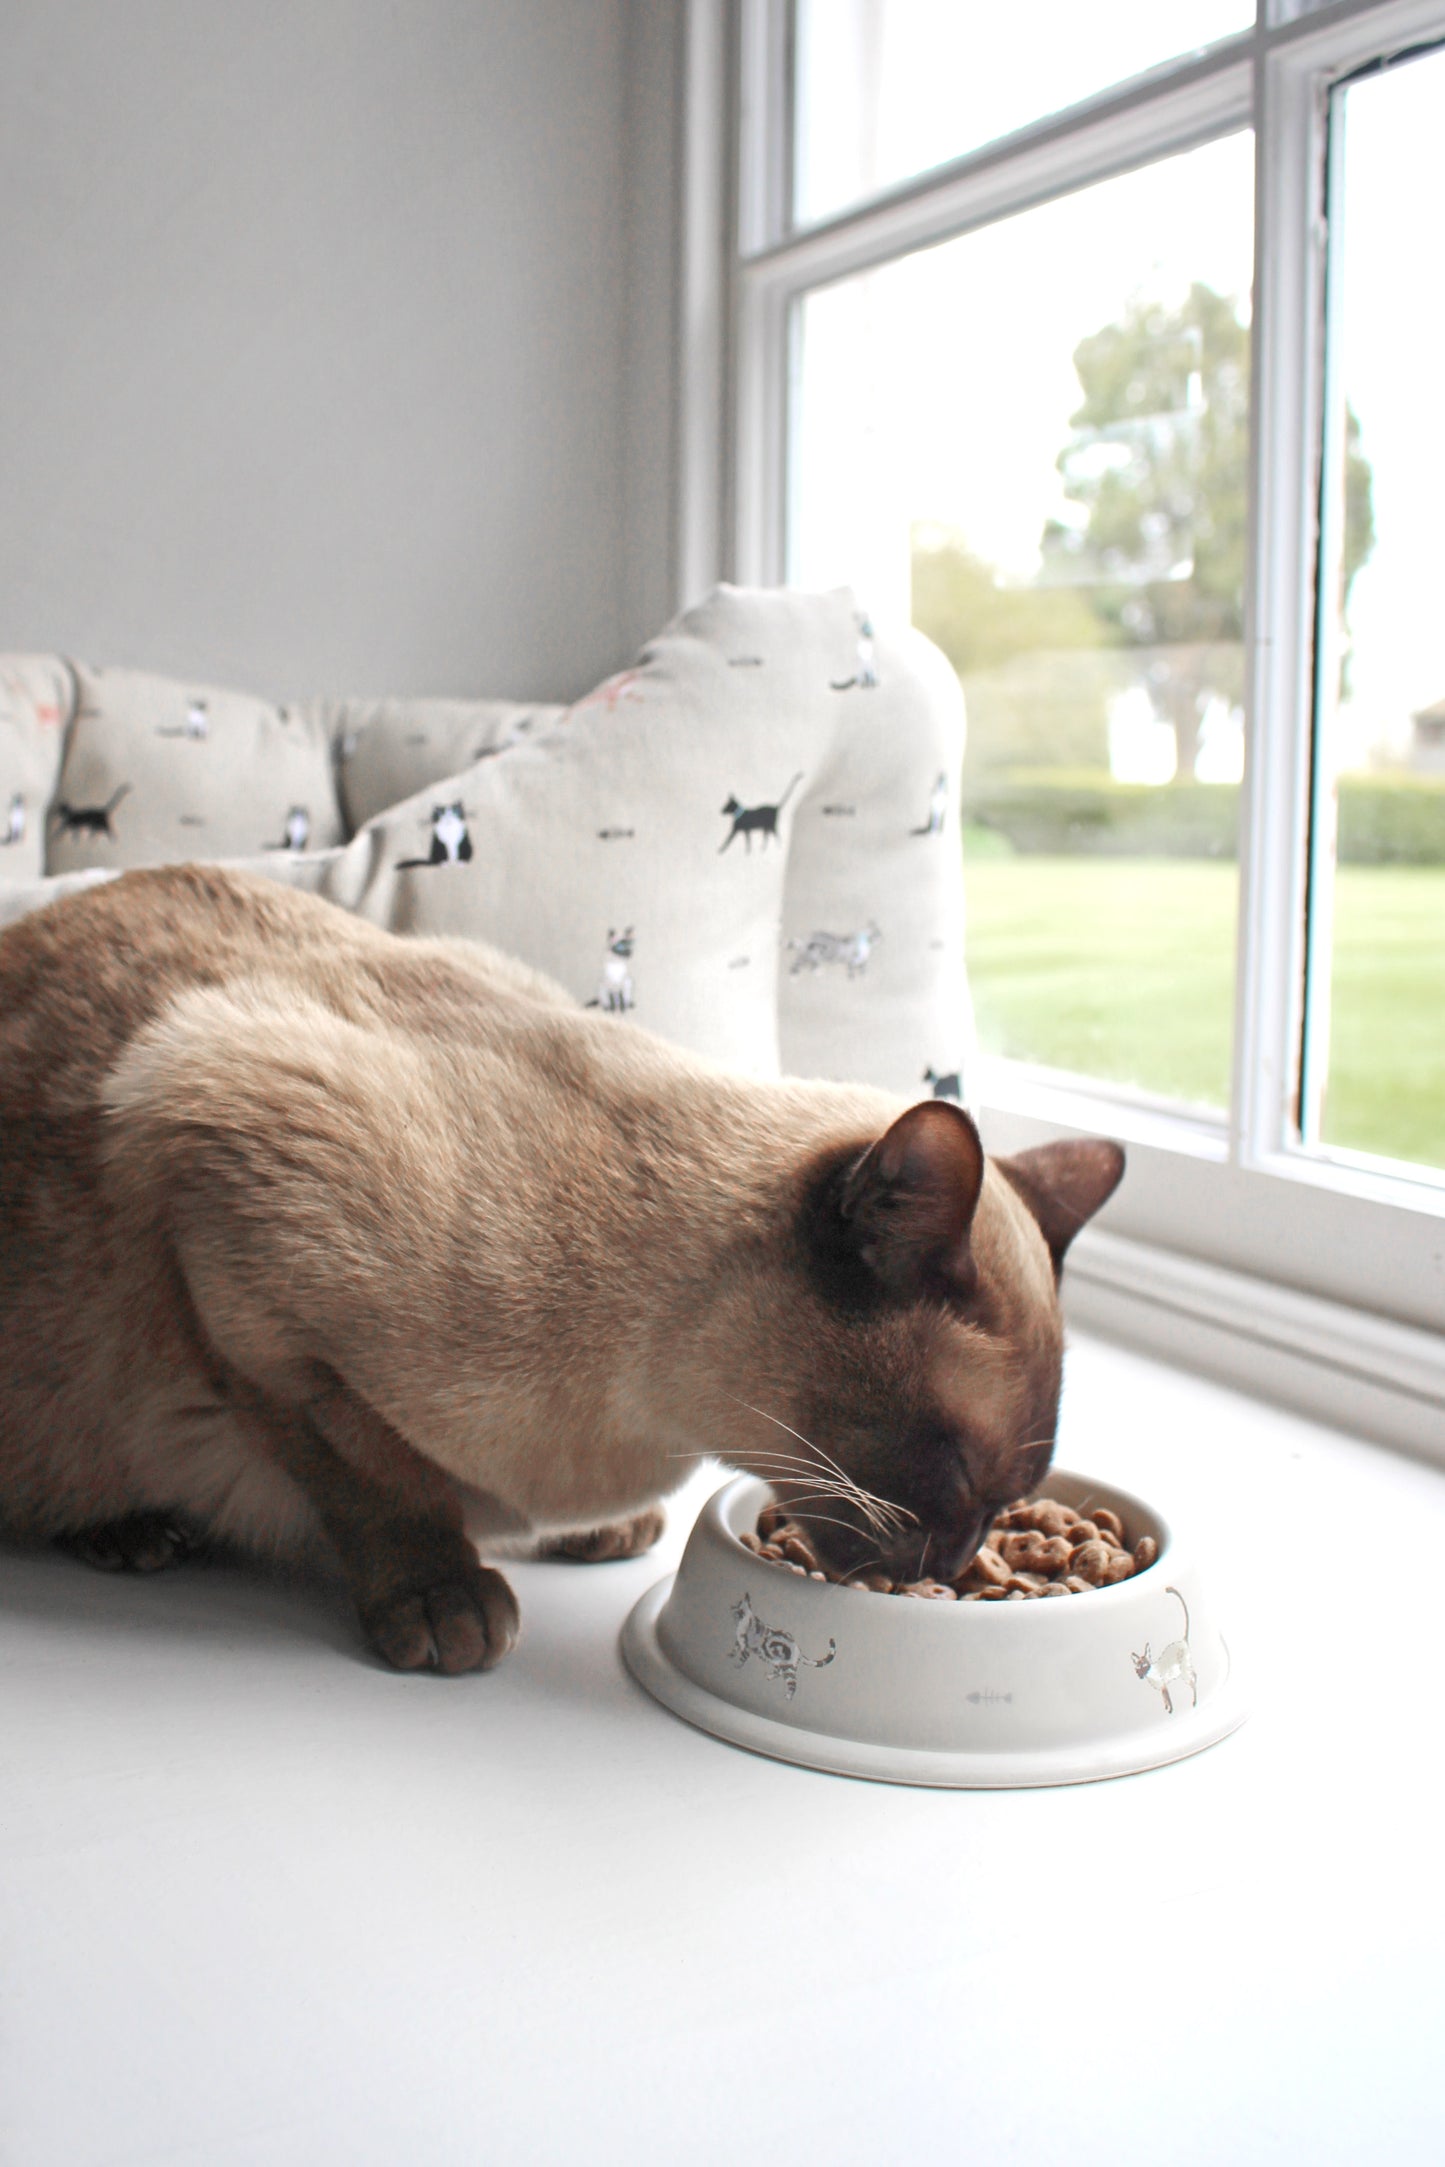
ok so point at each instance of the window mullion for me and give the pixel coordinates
(1287, 392)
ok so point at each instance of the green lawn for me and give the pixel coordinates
(1124, 968)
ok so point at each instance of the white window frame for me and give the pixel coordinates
(1315, 1277)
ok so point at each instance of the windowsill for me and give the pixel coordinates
(277, 1903)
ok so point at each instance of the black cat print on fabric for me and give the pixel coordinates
(87, 819)
(948, 1086)
(750, 820)
(451, 843)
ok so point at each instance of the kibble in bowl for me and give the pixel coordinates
(1039, 1546)
(993, 1681)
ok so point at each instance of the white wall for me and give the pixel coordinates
(338, 338)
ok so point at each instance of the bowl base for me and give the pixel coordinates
(1189, 1731)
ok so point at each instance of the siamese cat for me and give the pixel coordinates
(379, 1253)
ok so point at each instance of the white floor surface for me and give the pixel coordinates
(262, 1902)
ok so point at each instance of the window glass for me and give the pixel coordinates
(1375, 1049)
(883, 89)
(1034, 440)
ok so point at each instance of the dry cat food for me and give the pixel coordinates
(1036, 1547)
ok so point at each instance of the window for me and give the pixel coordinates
(1103, 342)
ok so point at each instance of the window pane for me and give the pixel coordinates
(1034, 438)
(1375, 1053)
(883, 89)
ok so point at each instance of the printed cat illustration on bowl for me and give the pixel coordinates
(1171, 1664)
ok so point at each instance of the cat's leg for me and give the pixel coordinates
(140, 1542)
(621, 1539)
(394, 1520)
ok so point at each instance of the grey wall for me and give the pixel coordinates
(338, 338)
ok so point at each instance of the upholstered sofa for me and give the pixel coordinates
(747, 841)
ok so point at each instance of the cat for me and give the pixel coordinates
(937, 809)
(1171, 1664)
(615, 991)
(850, 949)
(87, 819)
(750, 819)
(773, 1646)
(322, 1244)
(451, 843)
(949, 1086)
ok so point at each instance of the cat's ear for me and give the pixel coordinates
(1064, 1184)
(908, 1204)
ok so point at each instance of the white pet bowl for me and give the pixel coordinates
(904, 1690)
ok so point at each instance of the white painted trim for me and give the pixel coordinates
(1361, 1372)
(704, 280)
(1273, 842)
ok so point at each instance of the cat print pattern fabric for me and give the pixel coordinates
(754, 791)
(37, 704)
(155, 772)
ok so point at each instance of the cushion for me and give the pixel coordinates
(157, 771)
(873, 986)
(386, 750)
(637, 850)
(37, 700)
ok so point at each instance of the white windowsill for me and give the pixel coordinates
(261, 1901)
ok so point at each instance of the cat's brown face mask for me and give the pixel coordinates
(931, 1381)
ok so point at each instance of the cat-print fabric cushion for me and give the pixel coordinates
(157, 771)
(37, 700)
(386, 750)
(873, 986)
(638, 851)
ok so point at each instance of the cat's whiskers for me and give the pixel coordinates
(884, 1518)
(864, 1499)
(831, 1465)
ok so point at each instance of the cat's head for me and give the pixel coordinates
(929, 1360)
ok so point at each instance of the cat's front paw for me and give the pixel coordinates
(468, 1621)
(621, 1539)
